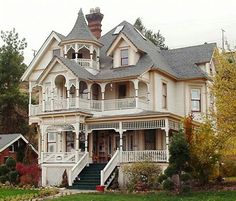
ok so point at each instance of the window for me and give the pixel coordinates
(51, 142)
(124, 55)
(70, 144)
(164, 95)
(195, 100)
(11, 148)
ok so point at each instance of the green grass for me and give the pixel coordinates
(197, 196)
(13, 192)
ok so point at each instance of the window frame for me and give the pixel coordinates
(198, 100)
(52, 142)
(164, 95)
(122, 59)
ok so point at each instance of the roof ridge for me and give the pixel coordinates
(192, 46)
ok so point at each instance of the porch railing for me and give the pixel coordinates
(79, 166)
(63, 157)
(118, 104)
(150, 155)
(111, 165)
(91, 105)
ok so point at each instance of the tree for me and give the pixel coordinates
(224, 91)
(156, 38)
(14, 106)
(178, 163)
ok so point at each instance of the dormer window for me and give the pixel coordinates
(124, 55)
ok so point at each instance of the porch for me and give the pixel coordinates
(111, 143)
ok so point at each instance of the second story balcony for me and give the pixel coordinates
(89, 105)
(92, 98)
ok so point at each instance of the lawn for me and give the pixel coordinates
(199, 196)
(4, 192)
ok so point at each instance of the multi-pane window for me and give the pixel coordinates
(124, 55)
(195, 100)
(52, 142)
(164, 95)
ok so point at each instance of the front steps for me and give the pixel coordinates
(89, 178)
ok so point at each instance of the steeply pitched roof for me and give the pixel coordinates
(5, 139)
(80, 30)
(185, 60)
(180, 63)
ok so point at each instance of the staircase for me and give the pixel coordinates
(89, 178)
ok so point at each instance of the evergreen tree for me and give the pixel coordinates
(155, 38)
(13, 103)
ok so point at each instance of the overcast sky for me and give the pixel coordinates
(181, 22)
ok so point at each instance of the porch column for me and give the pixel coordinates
(77, 94)
(68, 97)
(86, 139)
(30, 98)
(136, 92)
(89, 94)
(76, 52)
(103, 85)
(77, 145)
(167, 138)
(121, 136)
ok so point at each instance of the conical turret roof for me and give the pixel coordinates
(80, 30)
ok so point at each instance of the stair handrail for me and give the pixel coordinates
(78, 167)
(111, 165)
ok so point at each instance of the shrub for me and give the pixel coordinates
(168, 185)
(3, 170)
(170, 170)
(142, 175)
(185, 177)
(228, 168)
(161, 178)
(3, 179)
(11, 163)
(13, 175)
(29, 174)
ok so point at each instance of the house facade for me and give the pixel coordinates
(111, 99)
(14, 146)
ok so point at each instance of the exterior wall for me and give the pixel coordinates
(52, 174)
(157, 93)
(44, 61)
(133, 56)
(6, 153)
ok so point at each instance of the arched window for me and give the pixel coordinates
(71, 53)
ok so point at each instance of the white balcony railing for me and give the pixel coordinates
(91, 105)
(150, 155)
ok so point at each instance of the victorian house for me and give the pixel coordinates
(104, 101)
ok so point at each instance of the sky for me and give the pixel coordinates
(182, 22)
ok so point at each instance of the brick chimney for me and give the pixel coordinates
(94, 19)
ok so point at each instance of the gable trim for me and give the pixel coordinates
(42, 49)
(117, 40)
(23, 138)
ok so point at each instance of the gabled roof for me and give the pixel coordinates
(80, 30)
(185, 60)
(43, 48)
(8, 139)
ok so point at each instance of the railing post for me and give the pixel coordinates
(86, 139)
(70, 177)
(102, 178)
(167, 138)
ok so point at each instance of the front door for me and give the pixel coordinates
(150, 139)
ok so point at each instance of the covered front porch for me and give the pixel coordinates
(110, 143)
